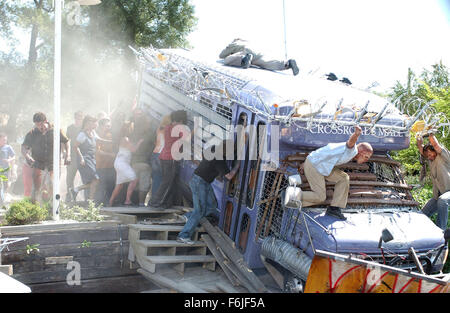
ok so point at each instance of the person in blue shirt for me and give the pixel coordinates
(7, 157)
(320, 165)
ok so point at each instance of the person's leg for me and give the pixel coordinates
(110, 184)
(211, 202)
(430, 207)
(27, 177)
(235, 59)
(70, 177)
(168, 174)
(442, 210)
(130, 189)
(199, 195)
(273, 65)
(37, 183)
(316, 182)
(101, 187)
(341, 188)
(143, 170)
(115, 193)
(93, 188)
(156, 173)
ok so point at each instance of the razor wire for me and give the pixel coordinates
(200, 81)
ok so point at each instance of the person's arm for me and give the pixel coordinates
(67, 158)
(419, 143)
(354, 137)
(26, 154)
(437, 147)
(76, 146)
(101, 140)
(130, 146)
(233, 172)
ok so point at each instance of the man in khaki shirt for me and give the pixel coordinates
(439, 162)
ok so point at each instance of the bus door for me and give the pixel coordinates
(234, 188)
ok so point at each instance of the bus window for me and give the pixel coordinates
(228, 217)
(255, 166)
(234, 183)
(243, 234)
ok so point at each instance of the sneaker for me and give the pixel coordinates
(73, 194)
(293, 65)
(183, 217)
(245, 63)
(185, 240)
(335, 212)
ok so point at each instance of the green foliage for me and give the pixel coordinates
(430, 85)
(409, 158)
(80, 214)
(423, 193)
(96, 60)
(25, 212)
(33, 248)
(85, 244)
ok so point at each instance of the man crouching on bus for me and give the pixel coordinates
(320, 165)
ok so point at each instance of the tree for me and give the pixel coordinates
(96, 60)
(430, 85)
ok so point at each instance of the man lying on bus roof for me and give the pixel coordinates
(320, 165)
(239, 53)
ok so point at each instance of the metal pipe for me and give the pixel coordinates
(287, 255)
(57, 109)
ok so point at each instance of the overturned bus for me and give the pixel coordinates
(294, 116)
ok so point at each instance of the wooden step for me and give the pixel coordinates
(170, 259)
(178, 262)
(143, 227)
(140, 210)
(168, 243)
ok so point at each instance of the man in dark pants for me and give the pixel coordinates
(104, 158)
(203, 196)
(37, 150)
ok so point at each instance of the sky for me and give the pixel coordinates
(365, 41)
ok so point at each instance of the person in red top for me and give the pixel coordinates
(168, 192)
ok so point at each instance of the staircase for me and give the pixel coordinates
(170, 265)
(154, 246)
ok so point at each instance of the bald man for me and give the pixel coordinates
(320, 165)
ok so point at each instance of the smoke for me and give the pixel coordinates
(98, 75)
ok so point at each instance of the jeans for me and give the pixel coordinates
(441, 207)
(168, 191)
(204, 204)
(156, 172)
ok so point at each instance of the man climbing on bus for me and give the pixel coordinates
(439, 162)
(321, 165)
(203, 196)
